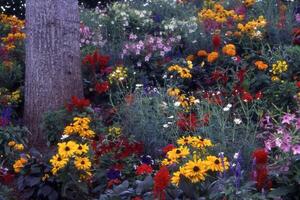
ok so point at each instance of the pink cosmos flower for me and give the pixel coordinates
(296, 149)
(288, 118)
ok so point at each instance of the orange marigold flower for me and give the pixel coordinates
(261, 65)
(212, 57)
(229, 50)
(190, 58)
(202, 53)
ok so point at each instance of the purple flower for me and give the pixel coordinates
(5, 116)
(146, 159)
(288, 118)
(113, 174)
(298, 124)
(286, 143)
(297, 17)
(132, 36)
(296, 149)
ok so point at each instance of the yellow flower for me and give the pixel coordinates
(87, 133)
(119, 74)
(212, 57)
(173, 92)
(67, 149)
(177, 153)
(114, 131)
(260, 65)
(69, 130)
(168, 161)
(199, 142)
(185, 140)
(59, 161)
(195, 170)
(82, 163)
(176, 176)
(81, 149)
(19, 147)
(279, 67)
(214, 163)
(19, 164)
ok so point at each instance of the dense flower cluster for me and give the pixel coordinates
(192, 160)
(15, 34)
(80, 126)
(252, 27)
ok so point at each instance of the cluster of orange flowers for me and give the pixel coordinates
(219, 14)
(16, 25)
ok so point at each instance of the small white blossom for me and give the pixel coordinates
(177, 103)
(237, 121)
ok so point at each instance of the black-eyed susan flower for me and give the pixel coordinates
(82, 163)
(177, 153)
(67, 149)
(185, 140)
(214, 163)
(81, 149)
(195, 170)
(58, 161)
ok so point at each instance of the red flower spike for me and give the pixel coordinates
(161, 181)
(216, 40)
(241, 75)
(260, 156)
(187, 122)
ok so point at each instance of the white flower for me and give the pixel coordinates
(64, 137)
(165, 125)
(177, 103)
(237, 121)
(226, 109)
(171, 117)
(236, 155)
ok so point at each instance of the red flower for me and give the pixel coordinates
(260, 156)
(187, 122)
(96, 59)
(168, 148)
(258, 95)
(161, 181)
(216, 40)
(247, 97)
(241, 75)
(144, 169)
(298, 84)
(78, 103)
(102, 87)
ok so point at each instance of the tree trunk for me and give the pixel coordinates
(53, 71)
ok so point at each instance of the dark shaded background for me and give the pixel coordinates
(16, 7)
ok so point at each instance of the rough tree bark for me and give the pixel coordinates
(53, 71)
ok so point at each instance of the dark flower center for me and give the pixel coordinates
(217, 161)
(59, 159)
(82, 162)
(67, 148)
(186, 140)
(196, 169)
(178, 151)
(80, 147)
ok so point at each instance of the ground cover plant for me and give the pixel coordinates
(178, 99)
